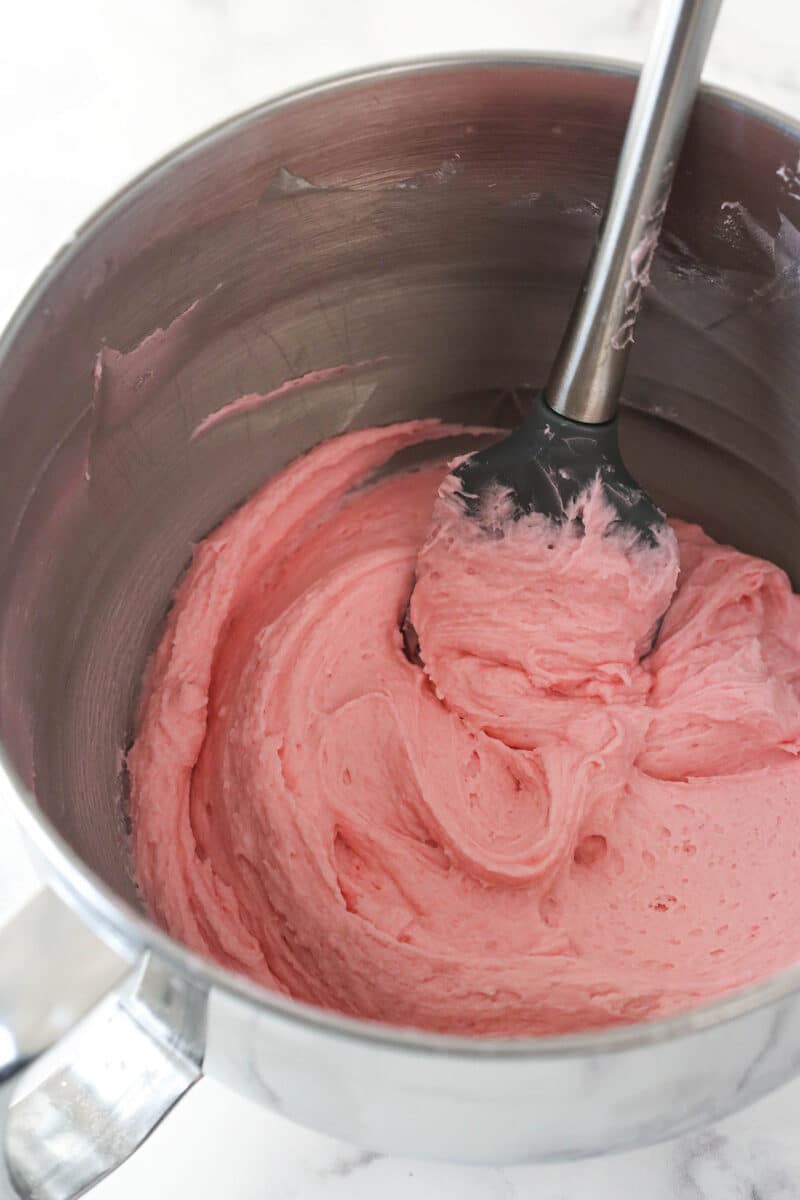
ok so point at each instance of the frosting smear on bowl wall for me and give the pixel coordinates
(544, 828)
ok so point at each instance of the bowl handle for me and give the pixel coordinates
(86, 1103)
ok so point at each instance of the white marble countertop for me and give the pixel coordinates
(91, 91)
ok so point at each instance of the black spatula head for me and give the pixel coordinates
(545, 466)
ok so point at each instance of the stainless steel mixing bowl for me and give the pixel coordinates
(432, 222)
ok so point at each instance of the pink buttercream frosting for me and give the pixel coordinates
(541, 830)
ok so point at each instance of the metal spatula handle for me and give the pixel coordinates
(587, 374)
